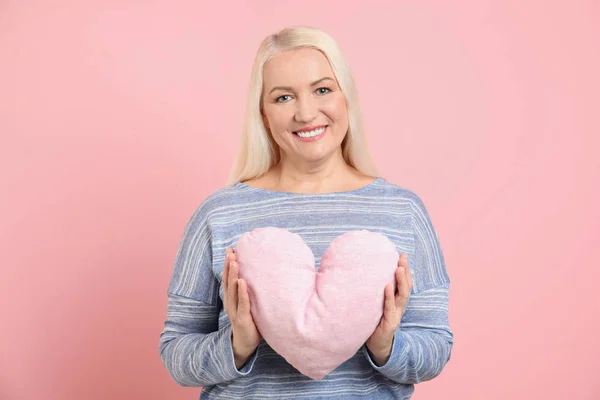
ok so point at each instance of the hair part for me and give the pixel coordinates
(258, 152)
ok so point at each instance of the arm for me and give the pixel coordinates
(423, 342)
(193, 348)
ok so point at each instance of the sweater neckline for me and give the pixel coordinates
(361, 189)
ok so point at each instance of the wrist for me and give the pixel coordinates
(239, 361)
(381, 358)
(381, 353)
(241, 353)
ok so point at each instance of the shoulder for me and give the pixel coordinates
(400, 192)
(219, 200)
(408, 199)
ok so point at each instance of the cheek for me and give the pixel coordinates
(336, 110)
(279, 120)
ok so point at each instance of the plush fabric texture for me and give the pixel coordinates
(316, 320)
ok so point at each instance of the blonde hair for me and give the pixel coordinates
(257, 151)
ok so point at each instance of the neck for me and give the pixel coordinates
(311, 177)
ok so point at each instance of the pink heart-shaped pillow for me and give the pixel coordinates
(316, 320)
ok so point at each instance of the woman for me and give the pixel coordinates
(303, 165)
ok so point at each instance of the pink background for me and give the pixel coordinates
(119, 117)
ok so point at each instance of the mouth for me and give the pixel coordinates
(312, 134)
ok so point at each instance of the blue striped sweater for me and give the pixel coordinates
(195, 344)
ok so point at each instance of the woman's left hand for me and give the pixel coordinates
(380, 342)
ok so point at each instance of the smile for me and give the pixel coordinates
(310, 136)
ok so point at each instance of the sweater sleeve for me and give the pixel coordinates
(423, 343)
(194, 347)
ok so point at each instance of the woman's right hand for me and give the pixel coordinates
(245, 336)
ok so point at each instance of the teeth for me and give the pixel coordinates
(309, 134)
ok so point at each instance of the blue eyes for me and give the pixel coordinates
(320, 91)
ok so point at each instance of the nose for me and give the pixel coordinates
(306, 109)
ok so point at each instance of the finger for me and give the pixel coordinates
(402, 283)
(389, 305)
(403, 260)
(233, 286)
(243, 299)
(408, 276)
(225, 276)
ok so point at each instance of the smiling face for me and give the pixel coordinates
(303, 106)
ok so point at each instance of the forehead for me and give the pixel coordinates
(296, 67)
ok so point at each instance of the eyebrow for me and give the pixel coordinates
(287, 88)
